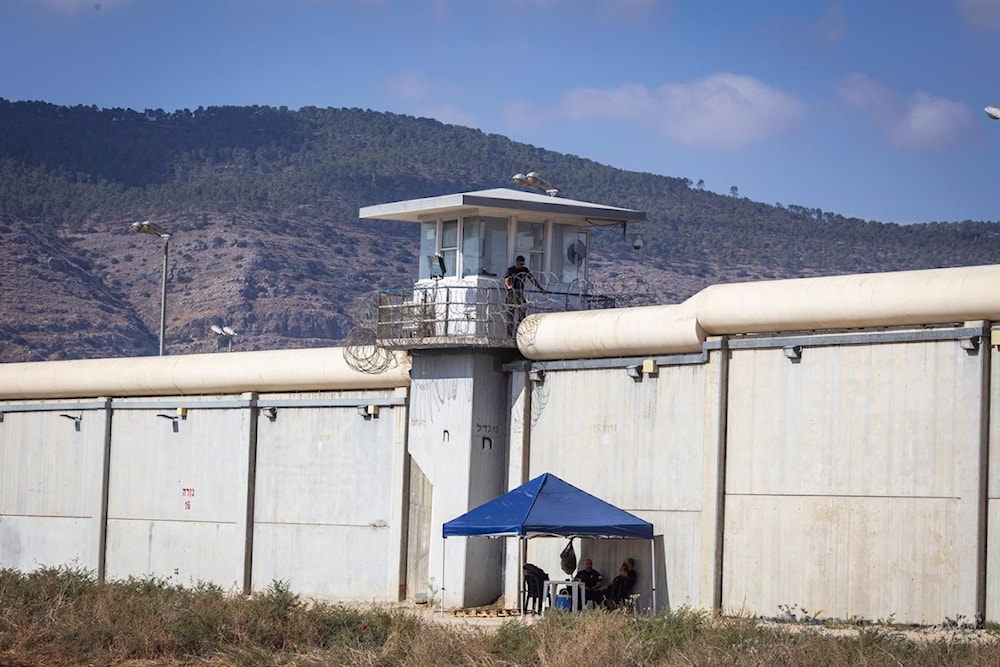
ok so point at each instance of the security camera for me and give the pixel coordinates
(637, 243)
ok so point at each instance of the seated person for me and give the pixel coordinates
(592, 582)
(621, 586)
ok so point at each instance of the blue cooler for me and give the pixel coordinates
(564, 602)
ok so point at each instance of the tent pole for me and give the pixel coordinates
(442, 572)
(652, 558)
(520, 576)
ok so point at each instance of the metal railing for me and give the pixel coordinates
(444, 314)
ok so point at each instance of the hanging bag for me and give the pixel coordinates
(567, 559)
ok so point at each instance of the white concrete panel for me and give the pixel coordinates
(648, 447)
(993, 562)
(328, 499)
(50, 488)
(31, 542)
(606, 433)
(439, 419)
(859, 487)
(874, 558)
(325, 466)
(993, 490)
(678, 576)
(441, 394)
(487, 474)
(182, 552)
(178, 499)
(325, 561)
(853, 420)
(487, 432)
(457, 438)
(992, 592)
(418, 536)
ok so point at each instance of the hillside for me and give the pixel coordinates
(262, 204)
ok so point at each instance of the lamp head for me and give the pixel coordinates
(147, 227)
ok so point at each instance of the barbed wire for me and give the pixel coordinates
(363, 354)
(361, 349)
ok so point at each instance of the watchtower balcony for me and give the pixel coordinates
(469, 313)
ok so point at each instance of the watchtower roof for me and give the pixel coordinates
(502, 202)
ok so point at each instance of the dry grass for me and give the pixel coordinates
(60, 617)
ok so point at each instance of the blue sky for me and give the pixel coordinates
(867, 108)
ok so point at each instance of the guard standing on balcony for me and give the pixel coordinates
(513, 280)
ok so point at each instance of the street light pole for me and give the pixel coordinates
(147, 227)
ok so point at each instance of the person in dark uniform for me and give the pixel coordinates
(621, 586)
(517, 305)
(592, 582)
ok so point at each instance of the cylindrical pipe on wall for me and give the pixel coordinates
(619, 332)
(931, 296)
(238, 372)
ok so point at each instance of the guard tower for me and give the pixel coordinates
(467, 241)
(457, 324)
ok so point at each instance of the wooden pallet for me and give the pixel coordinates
(485, 613)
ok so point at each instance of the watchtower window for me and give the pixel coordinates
(530, 242)
(428, 250)
(569, 253)
(438, 239)
(484, 246)
(449, 246)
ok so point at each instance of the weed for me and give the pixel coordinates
(63, 616)
(514, 641)
(797, 614)
(432, 593)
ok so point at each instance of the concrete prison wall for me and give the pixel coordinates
(829, 444)
(840, 472)
(234, 489)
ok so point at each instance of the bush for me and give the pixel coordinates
(63, 616)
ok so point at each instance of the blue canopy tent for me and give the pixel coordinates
(547, 506)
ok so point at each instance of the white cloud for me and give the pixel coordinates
(980, 14)
(931, 122)
(723, 111)
(409, 86)
(921, 121)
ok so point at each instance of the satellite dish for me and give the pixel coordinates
(217, 329)
(228, 331)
